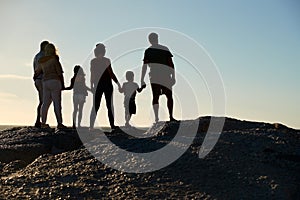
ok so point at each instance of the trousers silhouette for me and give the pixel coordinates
(108, 93)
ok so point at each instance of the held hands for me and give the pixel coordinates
(89, 89)
(119, 88)
(143, 84)
(93, 89)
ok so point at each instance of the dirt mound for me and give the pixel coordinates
(27, 143)
(250, 161)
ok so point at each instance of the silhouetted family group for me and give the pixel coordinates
(49, 82)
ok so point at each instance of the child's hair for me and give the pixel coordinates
(129, 75)
(78, 70)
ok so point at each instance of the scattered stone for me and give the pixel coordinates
(251, 160)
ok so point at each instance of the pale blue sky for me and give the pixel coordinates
(255, 45)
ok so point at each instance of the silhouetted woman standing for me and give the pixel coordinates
(53, 83)
(101, 82)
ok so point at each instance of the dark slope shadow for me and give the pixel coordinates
(143, 145)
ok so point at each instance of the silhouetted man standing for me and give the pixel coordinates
(162, 73)
(38, 82)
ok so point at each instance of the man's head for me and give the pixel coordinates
(153, 38)
(99, 51)
(43, 45)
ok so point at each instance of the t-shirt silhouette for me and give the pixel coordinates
(79, 86)
(130, 89)
(101, 70)
(158, 59)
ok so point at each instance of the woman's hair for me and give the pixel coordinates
(100, 49)
(78, 70)
(50, 50)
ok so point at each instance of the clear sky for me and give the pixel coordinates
(255, 45)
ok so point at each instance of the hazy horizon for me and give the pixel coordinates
(143, 127)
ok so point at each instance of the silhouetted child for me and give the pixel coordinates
(129, 89)
(79, 93)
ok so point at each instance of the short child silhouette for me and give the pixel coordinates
(129, 89)
(79, 93)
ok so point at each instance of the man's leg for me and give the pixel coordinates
(156, 91)
(127, 118)
(39, 86)
(169, 95)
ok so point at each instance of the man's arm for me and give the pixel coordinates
(91, 82)
(140, 89)
(34, 64)
(37, 72)
(171, 65)
(92, 76)
(144, 69)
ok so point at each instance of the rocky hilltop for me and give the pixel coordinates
(251, 160)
